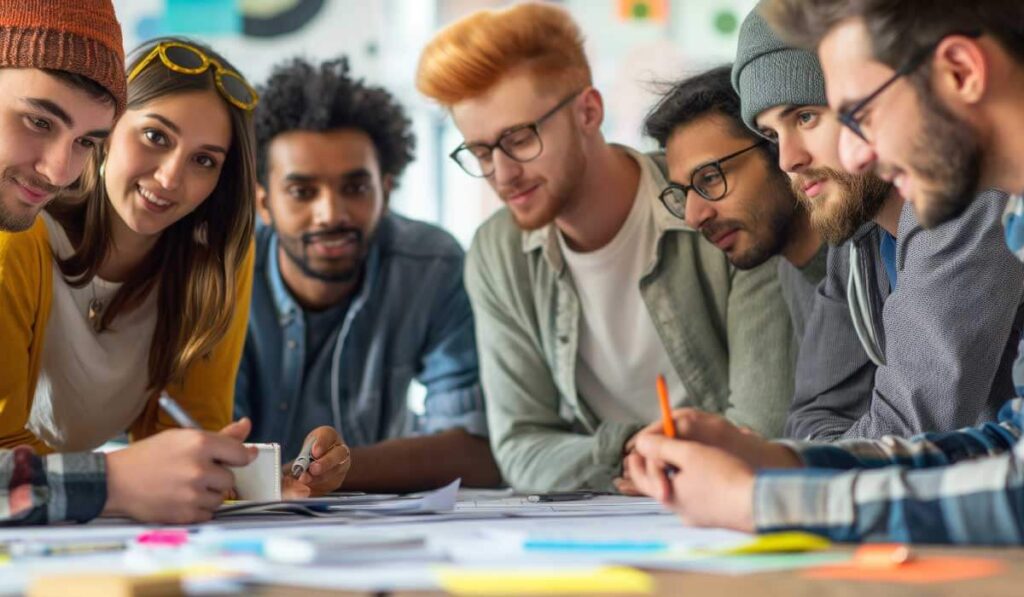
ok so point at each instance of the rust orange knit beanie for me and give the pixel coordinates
(77, 36)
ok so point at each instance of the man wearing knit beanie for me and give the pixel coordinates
(782, 93)
(62, 83)
(927, 131)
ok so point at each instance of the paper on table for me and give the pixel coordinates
(441, 500)
(744, 564)
(657, 533)
(601, 505)
(399, 577)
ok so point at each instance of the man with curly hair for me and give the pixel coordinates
(352, 301)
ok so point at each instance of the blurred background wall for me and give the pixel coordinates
(632, 45)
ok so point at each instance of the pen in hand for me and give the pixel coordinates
(667, 422)
(304, 459)
(174, 410)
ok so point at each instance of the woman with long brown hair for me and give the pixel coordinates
(138, 281)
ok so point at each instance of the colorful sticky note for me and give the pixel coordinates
(778, 543)
(918, 571)
(546, 581)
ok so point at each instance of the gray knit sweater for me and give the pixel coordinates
(799, 286)
(948, 333)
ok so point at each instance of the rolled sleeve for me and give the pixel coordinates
(455, 409)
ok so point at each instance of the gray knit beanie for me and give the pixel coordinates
(767, 73)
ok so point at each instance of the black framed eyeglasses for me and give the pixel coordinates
(707, 180)
(521, 143)
(849, 116)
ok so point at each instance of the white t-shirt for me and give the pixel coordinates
(92, 386)
(620, 353)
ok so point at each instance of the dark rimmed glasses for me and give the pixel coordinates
(850, 116)
(521, 143)
(707, 180)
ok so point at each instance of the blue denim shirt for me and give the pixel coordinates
(410, 319)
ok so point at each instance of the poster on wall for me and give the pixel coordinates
(249, 18)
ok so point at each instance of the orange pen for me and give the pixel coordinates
(667, 422)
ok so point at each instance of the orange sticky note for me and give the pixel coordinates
(915, 571)
(882, 555)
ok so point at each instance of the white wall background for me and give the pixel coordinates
(383, 39)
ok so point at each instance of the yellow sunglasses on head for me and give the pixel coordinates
(189, 60)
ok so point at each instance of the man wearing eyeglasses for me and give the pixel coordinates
(959, 487)
(585, 288)
(723, 182)
(958, 271)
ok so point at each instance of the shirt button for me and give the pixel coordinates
(283, 406)
(563, 339)
(291, 344)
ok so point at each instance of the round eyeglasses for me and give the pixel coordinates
(707, 180)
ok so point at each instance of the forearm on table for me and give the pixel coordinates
(425, 462)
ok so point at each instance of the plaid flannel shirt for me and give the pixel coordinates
(962, 486)
(44, 489)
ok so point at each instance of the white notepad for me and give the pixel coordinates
(260, 480)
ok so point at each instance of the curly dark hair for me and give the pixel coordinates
(301, 96)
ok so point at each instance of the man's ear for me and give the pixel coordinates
(592, 110)
(960, 70)
(261, 204)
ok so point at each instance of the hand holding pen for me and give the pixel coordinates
(178, 476)
(320, 466)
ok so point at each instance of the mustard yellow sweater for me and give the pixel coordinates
(26, 291)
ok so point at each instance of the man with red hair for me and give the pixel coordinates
(585, 287)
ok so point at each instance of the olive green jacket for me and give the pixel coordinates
(726, 331)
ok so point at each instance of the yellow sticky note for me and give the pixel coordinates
(778, 543)
(505, 581)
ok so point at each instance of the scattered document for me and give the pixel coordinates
(438, 501)
(601, 505)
